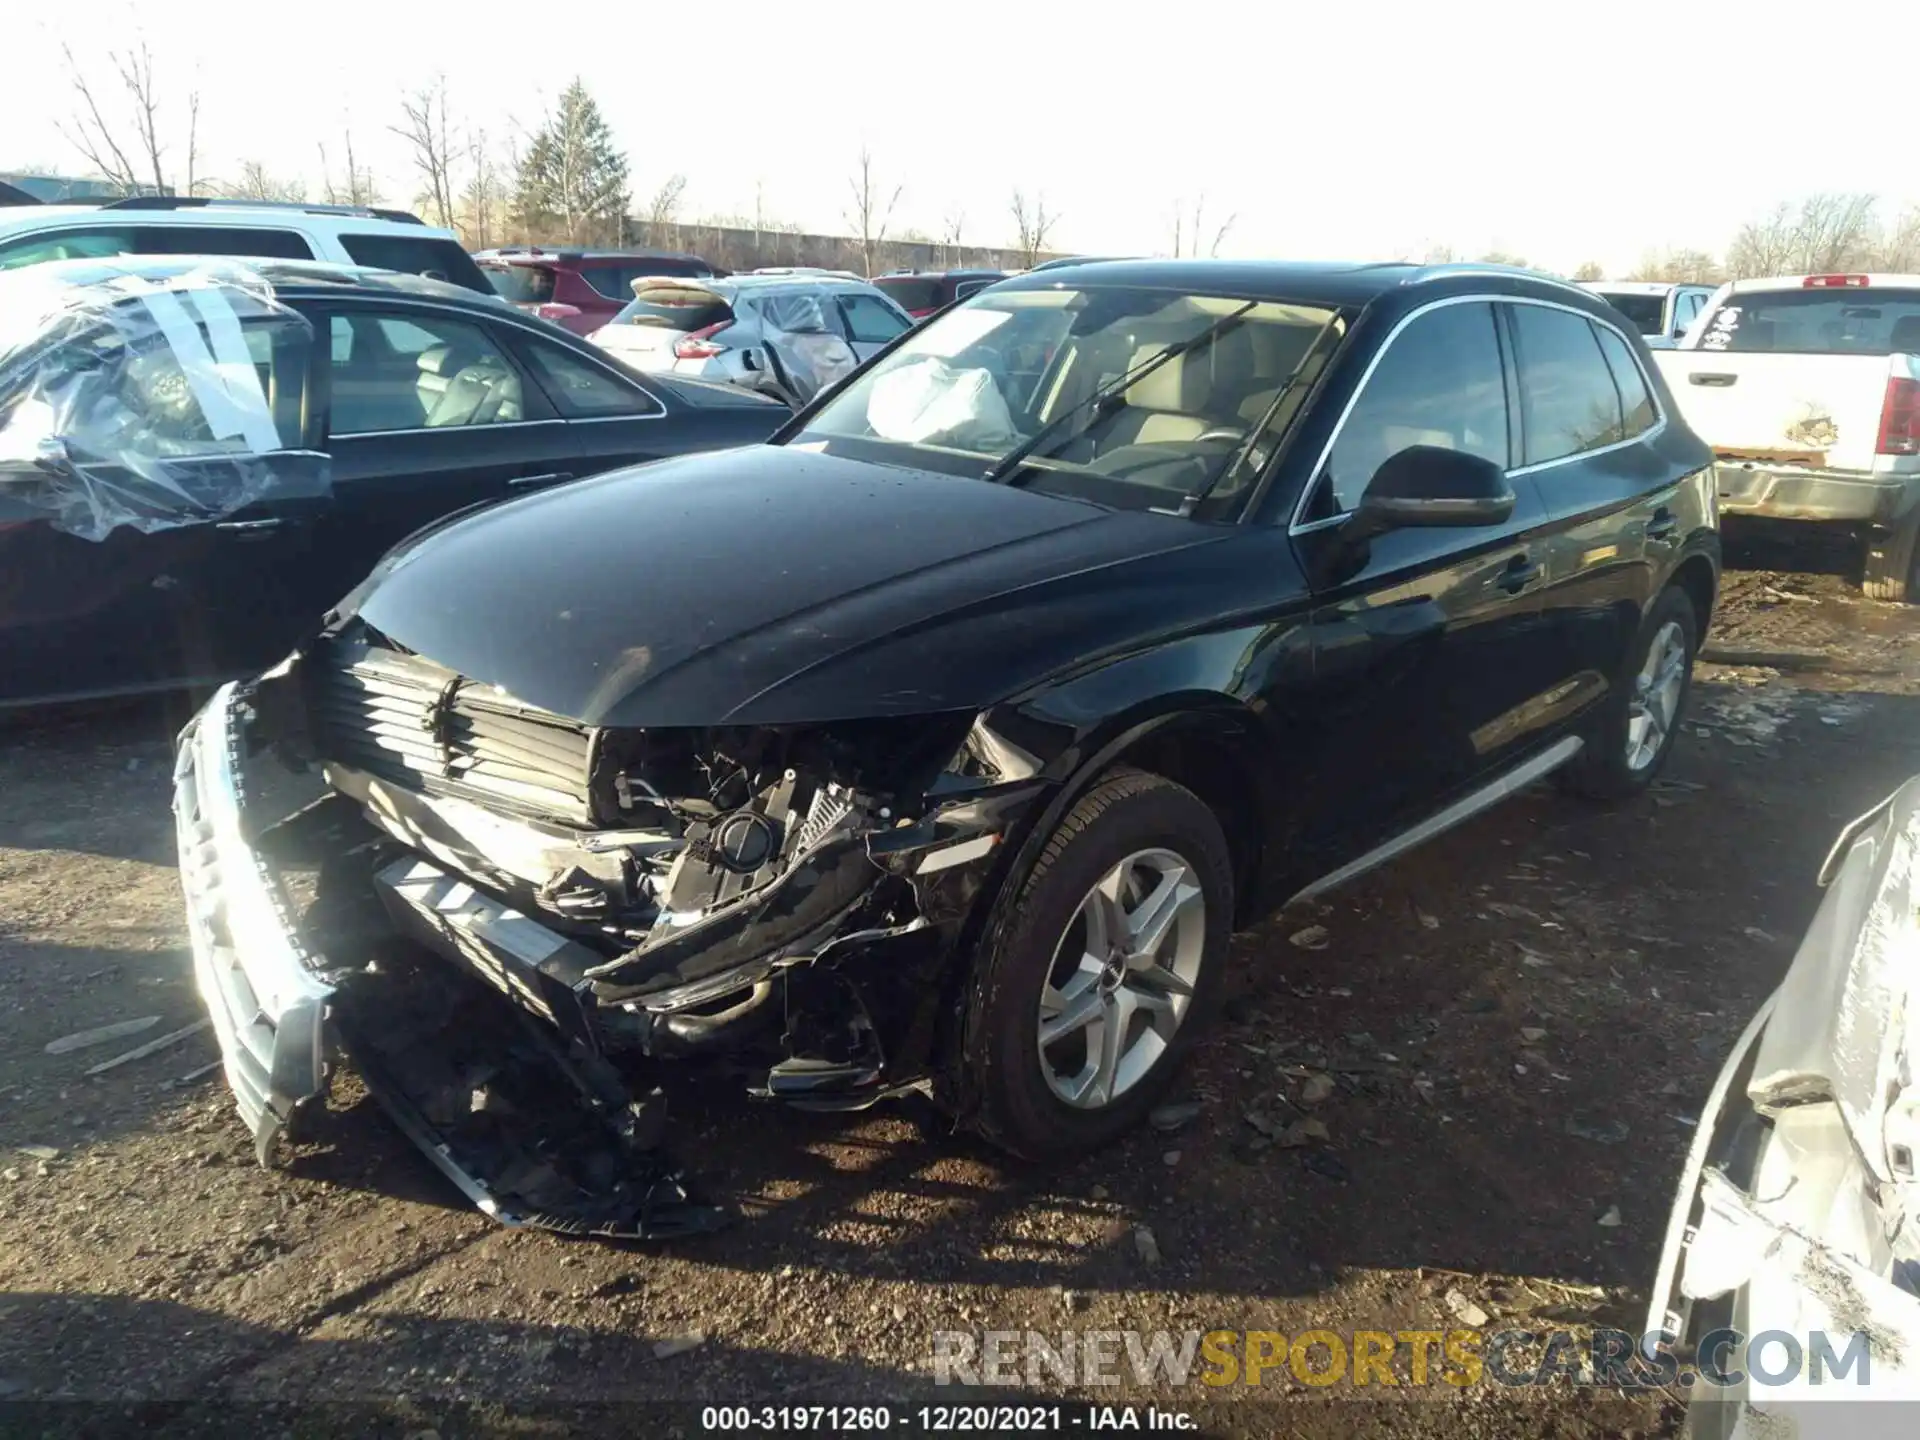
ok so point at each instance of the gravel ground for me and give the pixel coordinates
(1518, 1025)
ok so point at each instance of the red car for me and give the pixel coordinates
(579, 289)
(921, 292)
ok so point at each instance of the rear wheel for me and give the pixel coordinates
(1079, 1018)
(1642, 715)
(1888, 573)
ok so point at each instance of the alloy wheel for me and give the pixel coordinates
(1122, 978)
(1655, 705)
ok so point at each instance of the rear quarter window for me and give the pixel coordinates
(1568, 400)
(521, 284)
(423, 255)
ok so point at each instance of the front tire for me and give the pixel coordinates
(1642, 717)
(1112, 962)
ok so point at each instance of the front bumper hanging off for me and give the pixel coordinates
(507, 1084)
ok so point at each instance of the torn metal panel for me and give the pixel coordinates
(151, 402)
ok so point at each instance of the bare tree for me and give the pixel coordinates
(1822, 233)
(1900, 250)
(128, 150)
(952, 228)
(483, 202)
(256, 182)
(1836, 232)
(871, 210)
(430, 136)
(662, 213)
(1439, 255)
(1590, 270)
(1684, 266)
(355, 187)
(1190, 235)
(1032, 224)
(1504, 257)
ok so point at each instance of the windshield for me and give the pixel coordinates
(1128, 397)
(1818, 322)
(1644, 311)
(522, 284)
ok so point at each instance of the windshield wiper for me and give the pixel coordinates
(1016, 457)
(1303, 375)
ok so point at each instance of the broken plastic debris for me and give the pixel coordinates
(100, 1034)
(1611, 1220)
(678, 1345)
(152, 1047)
(1467, 1312)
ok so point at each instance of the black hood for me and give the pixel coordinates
(769, 585)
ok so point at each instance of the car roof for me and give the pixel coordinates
(1886, 280)
(286, 277)
(153, 211)
(1640, 287)
(966, 274)
(516, 256)
(1344, 284)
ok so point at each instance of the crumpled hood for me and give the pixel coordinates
(1839, 1027)
(769, 585)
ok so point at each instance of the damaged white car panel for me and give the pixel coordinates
(1794, 1212)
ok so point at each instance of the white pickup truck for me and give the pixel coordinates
(1660, 310)
(1808, 389)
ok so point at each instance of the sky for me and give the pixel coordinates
(1350, 130)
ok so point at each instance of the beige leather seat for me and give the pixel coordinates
(466, 387)
(1166, 406)
(1276, 351)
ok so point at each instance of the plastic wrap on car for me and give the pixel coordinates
(133, 400)
(808, 356)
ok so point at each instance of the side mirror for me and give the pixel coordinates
(1427, 485)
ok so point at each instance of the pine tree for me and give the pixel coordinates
(573, 177)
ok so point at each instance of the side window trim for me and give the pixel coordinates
(1319, 467)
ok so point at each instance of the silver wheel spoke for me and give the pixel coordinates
(1113, 1043)
(1076, 1014)
(1153, 918)
(1159, 982)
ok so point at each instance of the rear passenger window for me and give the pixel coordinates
(1438, 383)
(1568, 402)
(221, 240)
(581, 390)
(1635, 401)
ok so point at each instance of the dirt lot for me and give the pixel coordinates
(1519, 1024)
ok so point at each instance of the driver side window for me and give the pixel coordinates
(1440, 383)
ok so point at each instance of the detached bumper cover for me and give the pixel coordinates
(1790, 492)
(267, 1005)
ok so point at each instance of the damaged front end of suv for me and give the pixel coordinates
(784, 901)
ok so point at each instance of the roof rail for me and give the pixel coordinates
(201, 202)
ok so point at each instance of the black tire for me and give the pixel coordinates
(1601, 771)
(1887, 573)
(1126, 812)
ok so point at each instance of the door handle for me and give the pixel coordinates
(248, 527)
(1663, 525)
(522, 482)
(1519, 573)
(1711, 377)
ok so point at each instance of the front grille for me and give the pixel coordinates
(411, 721)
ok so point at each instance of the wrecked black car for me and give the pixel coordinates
(939, 745)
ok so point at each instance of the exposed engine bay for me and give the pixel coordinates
(785, 902)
